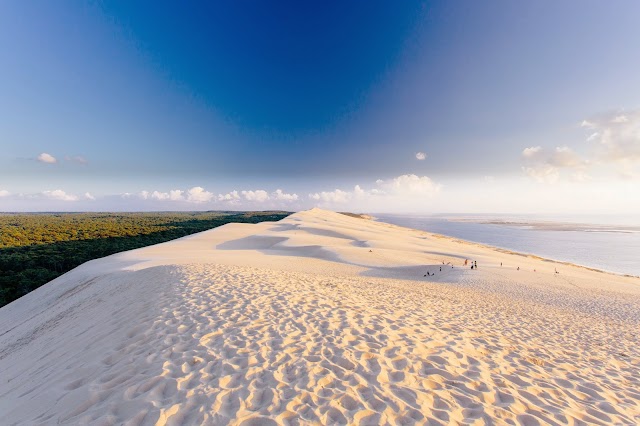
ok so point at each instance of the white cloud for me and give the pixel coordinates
(4, 193)
(333, 197)
(563, 156)
(46, 158)
(409, 185)
(159, 195)
(614, 144)
(197, 194)
(593, 137)
(531, 152)
(173, 195)
(617, 137)
(59, 194)
(232, 197)
(421, 155)
(77, 159)
(88, 196)
(406, 191)
(615, 140)
(258, 195)
(545, 166)
(280, 195)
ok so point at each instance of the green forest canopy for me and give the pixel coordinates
(35, 248)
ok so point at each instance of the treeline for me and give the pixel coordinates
(35, 248)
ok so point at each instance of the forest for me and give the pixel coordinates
(35, 248)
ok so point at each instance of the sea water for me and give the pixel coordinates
(606, 243)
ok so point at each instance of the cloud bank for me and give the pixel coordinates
(394, 194)
(612, 143)
(403, 193)
(546, 165)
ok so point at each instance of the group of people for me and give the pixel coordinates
(474, 265)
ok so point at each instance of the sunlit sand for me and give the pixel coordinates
(322, 318)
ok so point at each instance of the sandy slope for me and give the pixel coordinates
(322, 318)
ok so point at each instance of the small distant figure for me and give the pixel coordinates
(475, 263)
(370, 251)
(466, 261)
(501, 264)
(556, 269)
(471, 266)
(441, 269)
(518, 268)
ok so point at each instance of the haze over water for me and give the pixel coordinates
(611, 245)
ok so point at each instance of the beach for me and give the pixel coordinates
(610, 244)
(323, 318)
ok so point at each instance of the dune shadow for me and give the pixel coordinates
(283, 227)
(253, 242)
(360, 243)
(416, 273)
(439, 253)
(272, 246)
(326, 233)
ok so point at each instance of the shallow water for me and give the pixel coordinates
(606, 245)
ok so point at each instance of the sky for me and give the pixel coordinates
(369, 106)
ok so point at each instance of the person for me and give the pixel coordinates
(500, 264)
(441, 269)
(466, 261)
(518, 268)
(475, 263)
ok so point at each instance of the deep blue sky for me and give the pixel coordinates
(314, 96)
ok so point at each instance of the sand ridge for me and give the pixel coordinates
(298, 322)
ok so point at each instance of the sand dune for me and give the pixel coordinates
(322, 319)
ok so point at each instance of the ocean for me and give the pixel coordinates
(609, 243)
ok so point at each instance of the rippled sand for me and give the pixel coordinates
(322, 319)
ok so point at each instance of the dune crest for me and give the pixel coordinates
(322, 318)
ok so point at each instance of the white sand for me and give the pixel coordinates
(322, 318)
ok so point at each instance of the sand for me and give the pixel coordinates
(322, 318)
